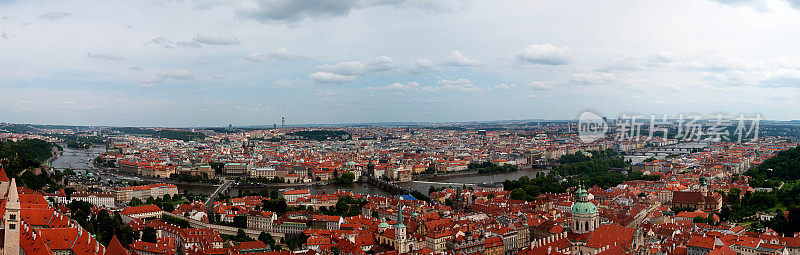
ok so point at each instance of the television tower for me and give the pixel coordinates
(283, 118)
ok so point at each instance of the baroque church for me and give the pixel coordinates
(586, 235)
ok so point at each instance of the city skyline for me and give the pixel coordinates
(214, 63)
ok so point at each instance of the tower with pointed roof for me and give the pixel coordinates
(585, 216)
(400, 230)
(12, 221)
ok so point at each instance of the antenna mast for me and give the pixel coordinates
(283, 118)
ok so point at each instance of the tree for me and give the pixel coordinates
(135, 201)
(345, 178)
(149, 235)
(240, 221)
(266, 238)
(733, 196)
(241, 236)
(274, 205)
(167, 207)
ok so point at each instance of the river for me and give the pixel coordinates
(76, 159)
(422, 186)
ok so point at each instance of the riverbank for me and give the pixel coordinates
(447, 176)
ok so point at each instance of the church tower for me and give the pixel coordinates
(12, 221)
(400, 230)
(585, 216)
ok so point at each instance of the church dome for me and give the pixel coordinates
(582, 204)
(584, 208)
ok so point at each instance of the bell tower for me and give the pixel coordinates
(400, 230)
(585, 216)
(12, 221)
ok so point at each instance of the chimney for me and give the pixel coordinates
(549, 249)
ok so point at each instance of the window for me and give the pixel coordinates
(12, 226)
(13, 217)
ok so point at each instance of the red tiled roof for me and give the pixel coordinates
(140, 209)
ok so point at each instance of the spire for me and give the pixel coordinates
(12, 202)
(400, 214)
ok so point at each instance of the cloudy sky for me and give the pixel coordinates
(215, 62)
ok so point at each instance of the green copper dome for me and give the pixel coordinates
(383, 225)
(582, 204)
(584, 208)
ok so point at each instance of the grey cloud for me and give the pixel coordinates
(165, 76)
(215, 39)
(199, 40)
(294, 10)
(54, 16)
(161, 41)
(105, 55)
(794, 3)
(268, 11)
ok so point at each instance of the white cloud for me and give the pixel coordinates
(593, 78)
(456, 58)
(54, 16)
(545, 54)
(105, 55)
(283, 84)
(538, 85)
(460, 85)
(279, 54)
(345, 68)
(257, 57)
(397, 86)
(423, 65)
(382, 63)
(326, 77)
(505, 86)
(283, 54)
(178, 75)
